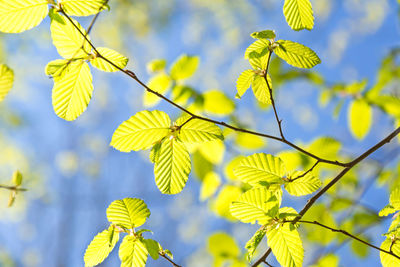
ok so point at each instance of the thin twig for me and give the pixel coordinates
(168, 259)
(15, 188)
(305, 173)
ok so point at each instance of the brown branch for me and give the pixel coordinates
(168, 259)
(346, 234)
(15, 188)
(221, 123)
(305, 173)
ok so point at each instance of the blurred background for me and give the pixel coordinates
(72, 174)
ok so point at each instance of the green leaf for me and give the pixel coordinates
(258, 53)
(226, 196)
(221, 244)
(302, 186)
(141, 131)
(386, 259)
(213, 151)
(83, 7)
(68, 40)
(299, 14)
(329, 260)
(388, 209)
(267, 34)
(243, 82)
(285, 242)
(360, 118)
(260, 88)
(184, 67)
(6, 80)
(260, 167)
(152, 247)
(395, 198)
(197, 131)
(119, 60)
(57, 68)
(209, 185)
(217, 103)
(161, 83)
(17, 178)
(253, 243)
(101, 246)
(257, 204)
(72, 92)
(172, 168)
(132, 252)
(296, 54)
(128, 212)
(21, 15)
(156, 65)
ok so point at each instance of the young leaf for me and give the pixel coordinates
(221, 244)
(302, 186)
(395, 198)
(197, 131)
(253, 243)
(360, 118)
(83, 7)
(267, 34)
(73, 91)
(299, 14)
(152, 247)
(17, 178)
(260, 167)
(259, 47)
(6, 80)
(257, 204)
(160, 83)
(209, 185)
(243, 82)
(141, 131)
(156, 65)
(57, 68)
(172, 168)
(386, 259)
(388, 209)
(119, 60)
(67, 38)
(285, 242)
(260, 88)
(101, 246)
(184, 67)
(128, 212)
(132, 252)
(296, 54)
(21, 15)
(217, 103)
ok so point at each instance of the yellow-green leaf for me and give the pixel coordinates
(224, 199)
(213, 151)
(57, 68)
(253, 243)
(132, 252)
(184, 67)
(251, 142)
(360, 118)
(68, 40)
(329, 260)
(172, 166)
(243, 82)
(285, 242)
(299, 14)
(197, 131)
(302, 186)
(73, 91)
(128, 212)
(386, 259)
(217, 103)
(395, 198)
(153, 247)
(267, 34)
(6, 80)
(221, 244)
(261, 89)
(141, 131)
(257, 204)
(119, 60)
(156, 65)
(21, 15)
(260, 167)
(160, 83)
(17, 178)
(209, 185)
(257, 54)
(388, 209)
(101, 246)
(296, 54)
(83, 7)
